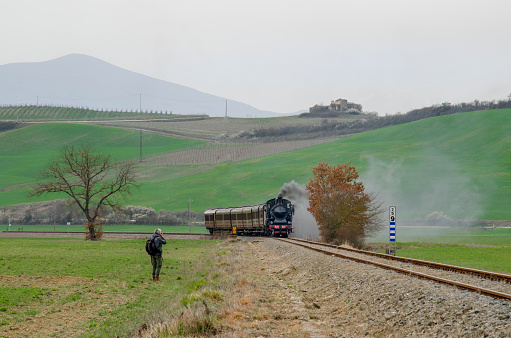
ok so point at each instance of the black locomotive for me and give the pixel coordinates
(279, 216)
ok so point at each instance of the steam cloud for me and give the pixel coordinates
(449, 199)
(448, 192)
(304, 224)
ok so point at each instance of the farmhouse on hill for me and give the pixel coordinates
(337, 106)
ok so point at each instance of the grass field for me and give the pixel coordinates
(108, 228)
(458, 164)
(103, 289)
(95, 289)
(462, 246)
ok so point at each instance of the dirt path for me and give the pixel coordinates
(266, 305)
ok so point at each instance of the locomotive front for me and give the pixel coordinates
(279, 216)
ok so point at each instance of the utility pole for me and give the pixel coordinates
(225, 108)
(140, 102)
(140, 160)
(37, 109)
(189, 216)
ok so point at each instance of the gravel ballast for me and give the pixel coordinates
(325, 296)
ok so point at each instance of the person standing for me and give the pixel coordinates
(157, 259)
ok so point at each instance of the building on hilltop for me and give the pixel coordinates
(339, 105)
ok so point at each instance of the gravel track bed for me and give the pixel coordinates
(495, 285)
(343, 298)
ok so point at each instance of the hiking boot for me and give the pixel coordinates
(154, 279)
(157, 279)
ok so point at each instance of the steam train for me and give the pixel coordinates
(273, 218)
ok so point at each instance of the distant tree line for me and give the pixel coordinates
(60, 212)
(323, 112)
(370, 122)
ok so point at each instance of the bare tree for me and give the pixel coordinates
(91, 179)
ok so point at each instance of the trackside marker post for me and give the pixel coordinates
(392, 230)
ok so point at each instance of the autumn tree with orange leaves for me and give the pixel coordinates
(343, 210)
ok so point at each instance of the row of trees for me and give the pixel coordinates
(62, 211)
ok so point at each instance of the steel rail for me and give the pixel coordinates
(479, 273)
(473, 288)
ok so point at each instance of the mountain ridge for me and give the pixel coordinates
(84, 81)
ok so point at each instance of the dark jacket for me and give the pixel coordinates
(158, 242)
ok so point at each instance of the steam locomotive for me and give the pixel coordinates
(273, 218)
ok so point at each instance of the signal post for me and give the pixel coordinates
(392, 230)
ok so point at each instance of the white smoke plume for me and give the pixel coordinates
(304, 224)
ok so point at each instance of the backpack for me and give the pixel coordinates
(150, 247)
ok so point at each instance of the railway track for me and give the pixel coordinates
(492, 284)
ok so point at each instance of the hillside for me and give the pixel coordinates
(458, 165)
(85, 81)
(284, 128)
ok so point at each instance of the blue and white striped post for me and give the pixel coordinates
(392, 229)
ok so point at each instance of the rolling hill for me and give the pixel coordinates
(459, 165)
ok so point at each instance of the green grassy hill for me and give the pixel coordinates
(24, 152)
(459, 165)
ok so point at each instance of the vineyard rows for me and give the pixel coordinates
(49, 112)
(221, 152)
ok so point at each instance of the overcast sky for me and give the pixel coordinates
(390, 56)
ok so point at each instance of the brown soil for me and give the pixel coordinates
(70, 304)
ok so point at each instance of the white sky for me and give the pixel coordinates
(390, 56)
